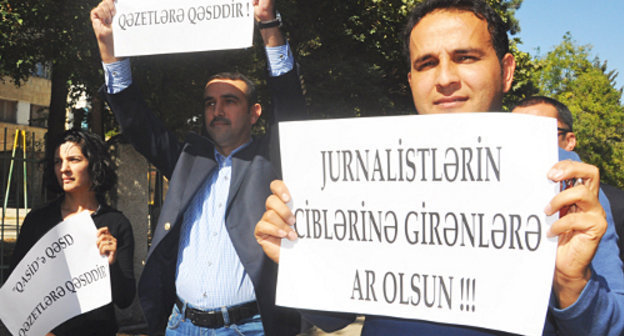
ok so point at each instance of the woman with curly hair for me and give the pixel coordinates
(82, 170)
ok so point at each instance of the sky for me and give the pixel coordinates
(599, 23)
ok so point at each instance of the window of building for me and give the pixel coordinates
(8, 111)
(39, 115)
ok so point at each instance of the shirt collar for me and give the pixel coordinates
(221, 159)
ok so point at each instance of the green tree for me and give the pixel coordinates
(524, 83)
(350, 52)
(54, 33)
(588, 88)
(58, 34)
(352, 57)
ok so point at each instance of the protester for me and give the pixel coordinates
(460, 62)
(82, 171)
(549, 107)
(203, 270)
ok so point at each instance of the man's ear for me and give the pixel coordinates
(256, 112)
(509, 67)
(570, 140)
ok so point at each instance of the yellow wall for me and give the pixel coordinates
(35, 91)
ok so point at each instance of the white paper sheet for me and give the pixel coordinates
(63, 275)
(433, 217)
(146, 27)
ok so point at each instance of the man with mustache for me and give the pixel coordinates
(204, 270)
(460, 62)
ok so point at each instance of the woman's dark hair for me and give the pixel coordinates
(101, 167)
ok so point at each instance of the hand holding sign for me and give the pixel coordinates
(107, 244)
(264, 10)
(102, 20)
(63, 275)
(335, 238)
(579, 231)
(189, 26)
(391, 226)
(276, 223)
(178, 29)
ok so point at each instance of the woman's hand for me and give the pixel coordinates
(107, 244)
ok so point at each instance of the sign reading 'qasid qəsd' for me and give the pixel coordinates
(436, 218)
(61, 276)
(146, 27)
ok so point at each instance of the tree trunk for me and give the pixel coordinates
(96, 119)
(58, 102)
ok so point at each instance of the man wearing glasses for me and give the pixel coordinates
(548, 107)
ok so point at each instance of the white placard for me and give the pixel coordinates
(146, 27)
(63, 275)
(432, 217)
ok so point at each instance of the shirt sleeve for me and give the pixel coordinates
(117, 76)
(599, 310)
(281, 59)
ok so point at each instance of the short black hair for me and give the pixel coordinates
(563, 112)
(101, 167)
(251, 94)
(496, 26)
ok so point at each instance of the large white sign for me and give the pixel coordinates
(433, 217)
(63, 275)
(145, 27)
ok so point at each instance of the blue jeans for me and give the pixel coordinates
(178, 326)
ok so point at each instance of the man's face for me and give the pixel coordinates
(566, 140)
(453, 65)
(227, 114)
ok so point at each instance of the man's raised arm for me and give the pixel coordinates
(102, 22)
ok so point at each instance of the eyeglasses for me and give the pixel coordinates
(563, 131)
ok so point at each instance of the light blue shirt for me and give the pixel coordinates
(118, 76)
(209, 273)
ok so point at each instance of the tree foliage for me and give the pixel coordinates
(351, 58)
(524, 84)
(588, 88)
(352, 54)
(54, 33)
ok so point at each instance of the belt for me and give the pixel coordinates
(214, 318)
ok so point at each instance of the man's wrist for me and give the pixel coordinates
(267, 14)
(568, 289)
(271, 23)
(270, 31)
